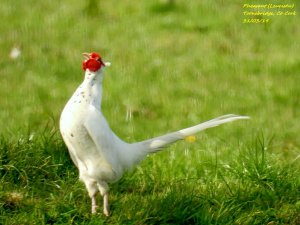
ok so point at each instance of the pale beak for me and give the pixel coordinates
(86, 55)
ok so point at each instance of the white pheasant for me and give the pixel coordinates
(100, 155)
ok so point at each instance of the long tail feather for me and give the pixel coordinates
(157, 143)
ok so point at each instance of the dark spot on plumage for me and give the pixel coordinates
(72, 135)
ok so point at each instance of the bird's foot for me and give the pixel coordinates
(94, 209)
(106, 212)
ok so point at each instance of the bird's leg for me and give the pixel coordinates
(94, 204)
(105, 205)
(103, 188)
(91, 186)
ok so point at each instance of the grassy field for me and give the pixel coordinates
(172, 66)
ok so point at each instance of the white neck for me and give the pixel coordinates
(92, 85)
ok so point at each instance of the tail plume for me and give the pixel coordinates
(157, 143)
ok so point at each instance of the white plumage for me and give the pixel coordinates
(99, 154)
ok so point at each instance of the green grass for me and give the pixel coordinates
(172, 66)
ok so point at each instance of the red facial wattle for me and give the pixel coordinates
(93, 63)
(95, 55)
